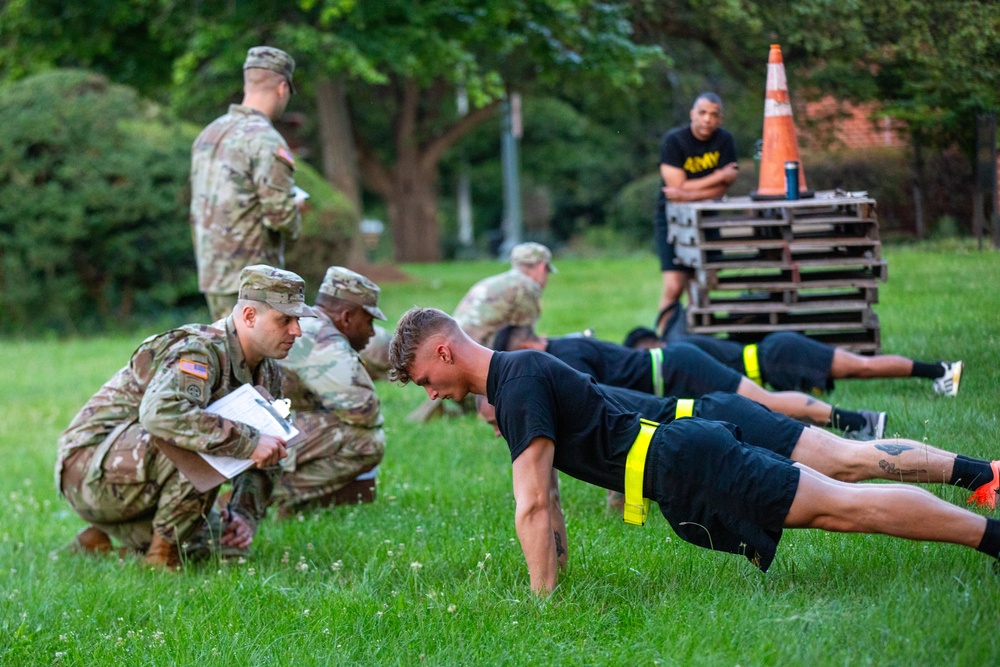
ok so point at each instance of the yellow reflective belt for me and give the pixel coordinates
(656, 357)
(685, 408)
(637, 507)
(750, 363)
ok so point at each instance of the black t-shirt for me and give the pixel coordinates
(538, 396)
(607, 362)
(680, 148)
(726, 352)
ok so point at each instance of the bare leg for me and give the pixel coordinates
(793, 404)
(849, 365)
(886, 509)
(674, 284)
(894, 459)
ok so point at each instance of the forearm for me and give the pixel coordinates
(558, 524)
(534, 530)
(686, 194)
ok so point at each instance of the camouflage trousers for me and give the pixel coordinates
(332, 455)
(220, 305)
(126, 487)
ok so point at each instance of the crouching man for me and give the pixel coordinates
(334, 400)
(715, 491)
(110, 468)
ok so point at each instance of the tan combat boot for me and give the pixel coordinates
(90, 541)
(162, 554)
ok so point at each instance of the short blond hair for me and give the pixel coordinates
(414, 327)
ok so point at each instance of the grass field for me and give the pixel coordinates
(432, 573)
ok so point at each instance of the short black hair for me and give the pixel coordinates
(708, 96)
(639, 334)
(512, 335)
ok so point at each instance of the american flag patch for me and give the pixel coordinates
(194, 368)
(286, 155)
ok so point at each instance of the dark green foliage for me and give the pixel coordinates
(887, 175)
(329, 223)
(93, 227)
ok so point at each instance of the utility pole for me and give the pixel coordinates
(510, 134)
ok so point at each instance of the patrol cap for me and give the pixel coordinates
(280, 289)
(531, 253)
(276, 60)
(345, 284)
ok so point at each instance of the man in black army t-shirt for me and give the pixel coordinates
(791, 361)
(715, 491)
(684, 371)
(697, 162)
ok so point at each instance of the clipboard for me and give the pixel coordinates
(246, 405)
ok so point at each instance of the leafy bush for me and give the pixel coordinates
(93, 184)
(94, 225)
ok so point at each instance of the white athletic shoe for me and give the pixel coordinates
(947, 384)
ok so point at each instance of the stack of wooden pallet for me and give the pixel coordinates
(811, 265)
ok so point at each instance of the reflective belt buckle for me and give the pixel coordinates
(685, 408)
(751, 365)
(656, 361)
(636, 507)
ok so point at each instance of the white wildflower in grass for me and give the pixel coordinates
(415, 566)
(241, 560)
(452, 608)
(514, 623)
(251, 571)
(337, 565)
(420, 529)
(326, 631)
(389, 552)
(305, 612)
(309, 546)
(487, 556)
(302, 565)
(481, 565)
(378, 614)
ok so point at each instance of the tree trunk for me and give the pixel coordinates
(918, 189)
(413, 212)
(340, 162)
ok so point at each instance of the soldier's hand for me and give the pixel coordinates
(269, 450)
(238, 532)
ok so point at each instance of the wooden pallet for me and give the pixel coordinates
(811, 266)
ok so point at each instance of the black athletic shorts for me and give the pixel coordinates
(690, 372)
(717, 492)
(790, 361)
(664, 248)
(759, 426)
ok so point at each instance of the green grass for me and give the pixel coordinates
(433, 573)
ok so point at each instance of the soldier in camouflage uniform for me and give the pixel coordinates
(242, 177)
(109, 467)
(333, 398)
(510, 298)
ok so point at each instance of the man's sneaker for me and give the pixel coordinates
(873, 429)
(947, 384)
(986, 495)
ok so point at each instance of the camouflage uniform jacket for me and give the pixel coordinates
(165, 387)
(242, 206)
(494, 302)
(322, 372)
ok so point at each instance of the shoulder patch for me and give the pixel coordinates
(195, 368)
(285, 156)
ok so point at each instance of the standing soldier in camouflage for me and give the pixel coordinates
(510, 298)
(334, 399)
(116, 478)
(242, 178)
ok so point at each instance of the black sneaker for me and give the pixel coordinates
(874, 428)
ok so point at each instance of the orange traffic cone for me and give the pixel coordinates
(780, 143)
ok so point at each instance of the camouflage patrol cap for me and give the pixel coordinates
(531, 253)
(345, 284)
(276, 60)
(282, 290)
